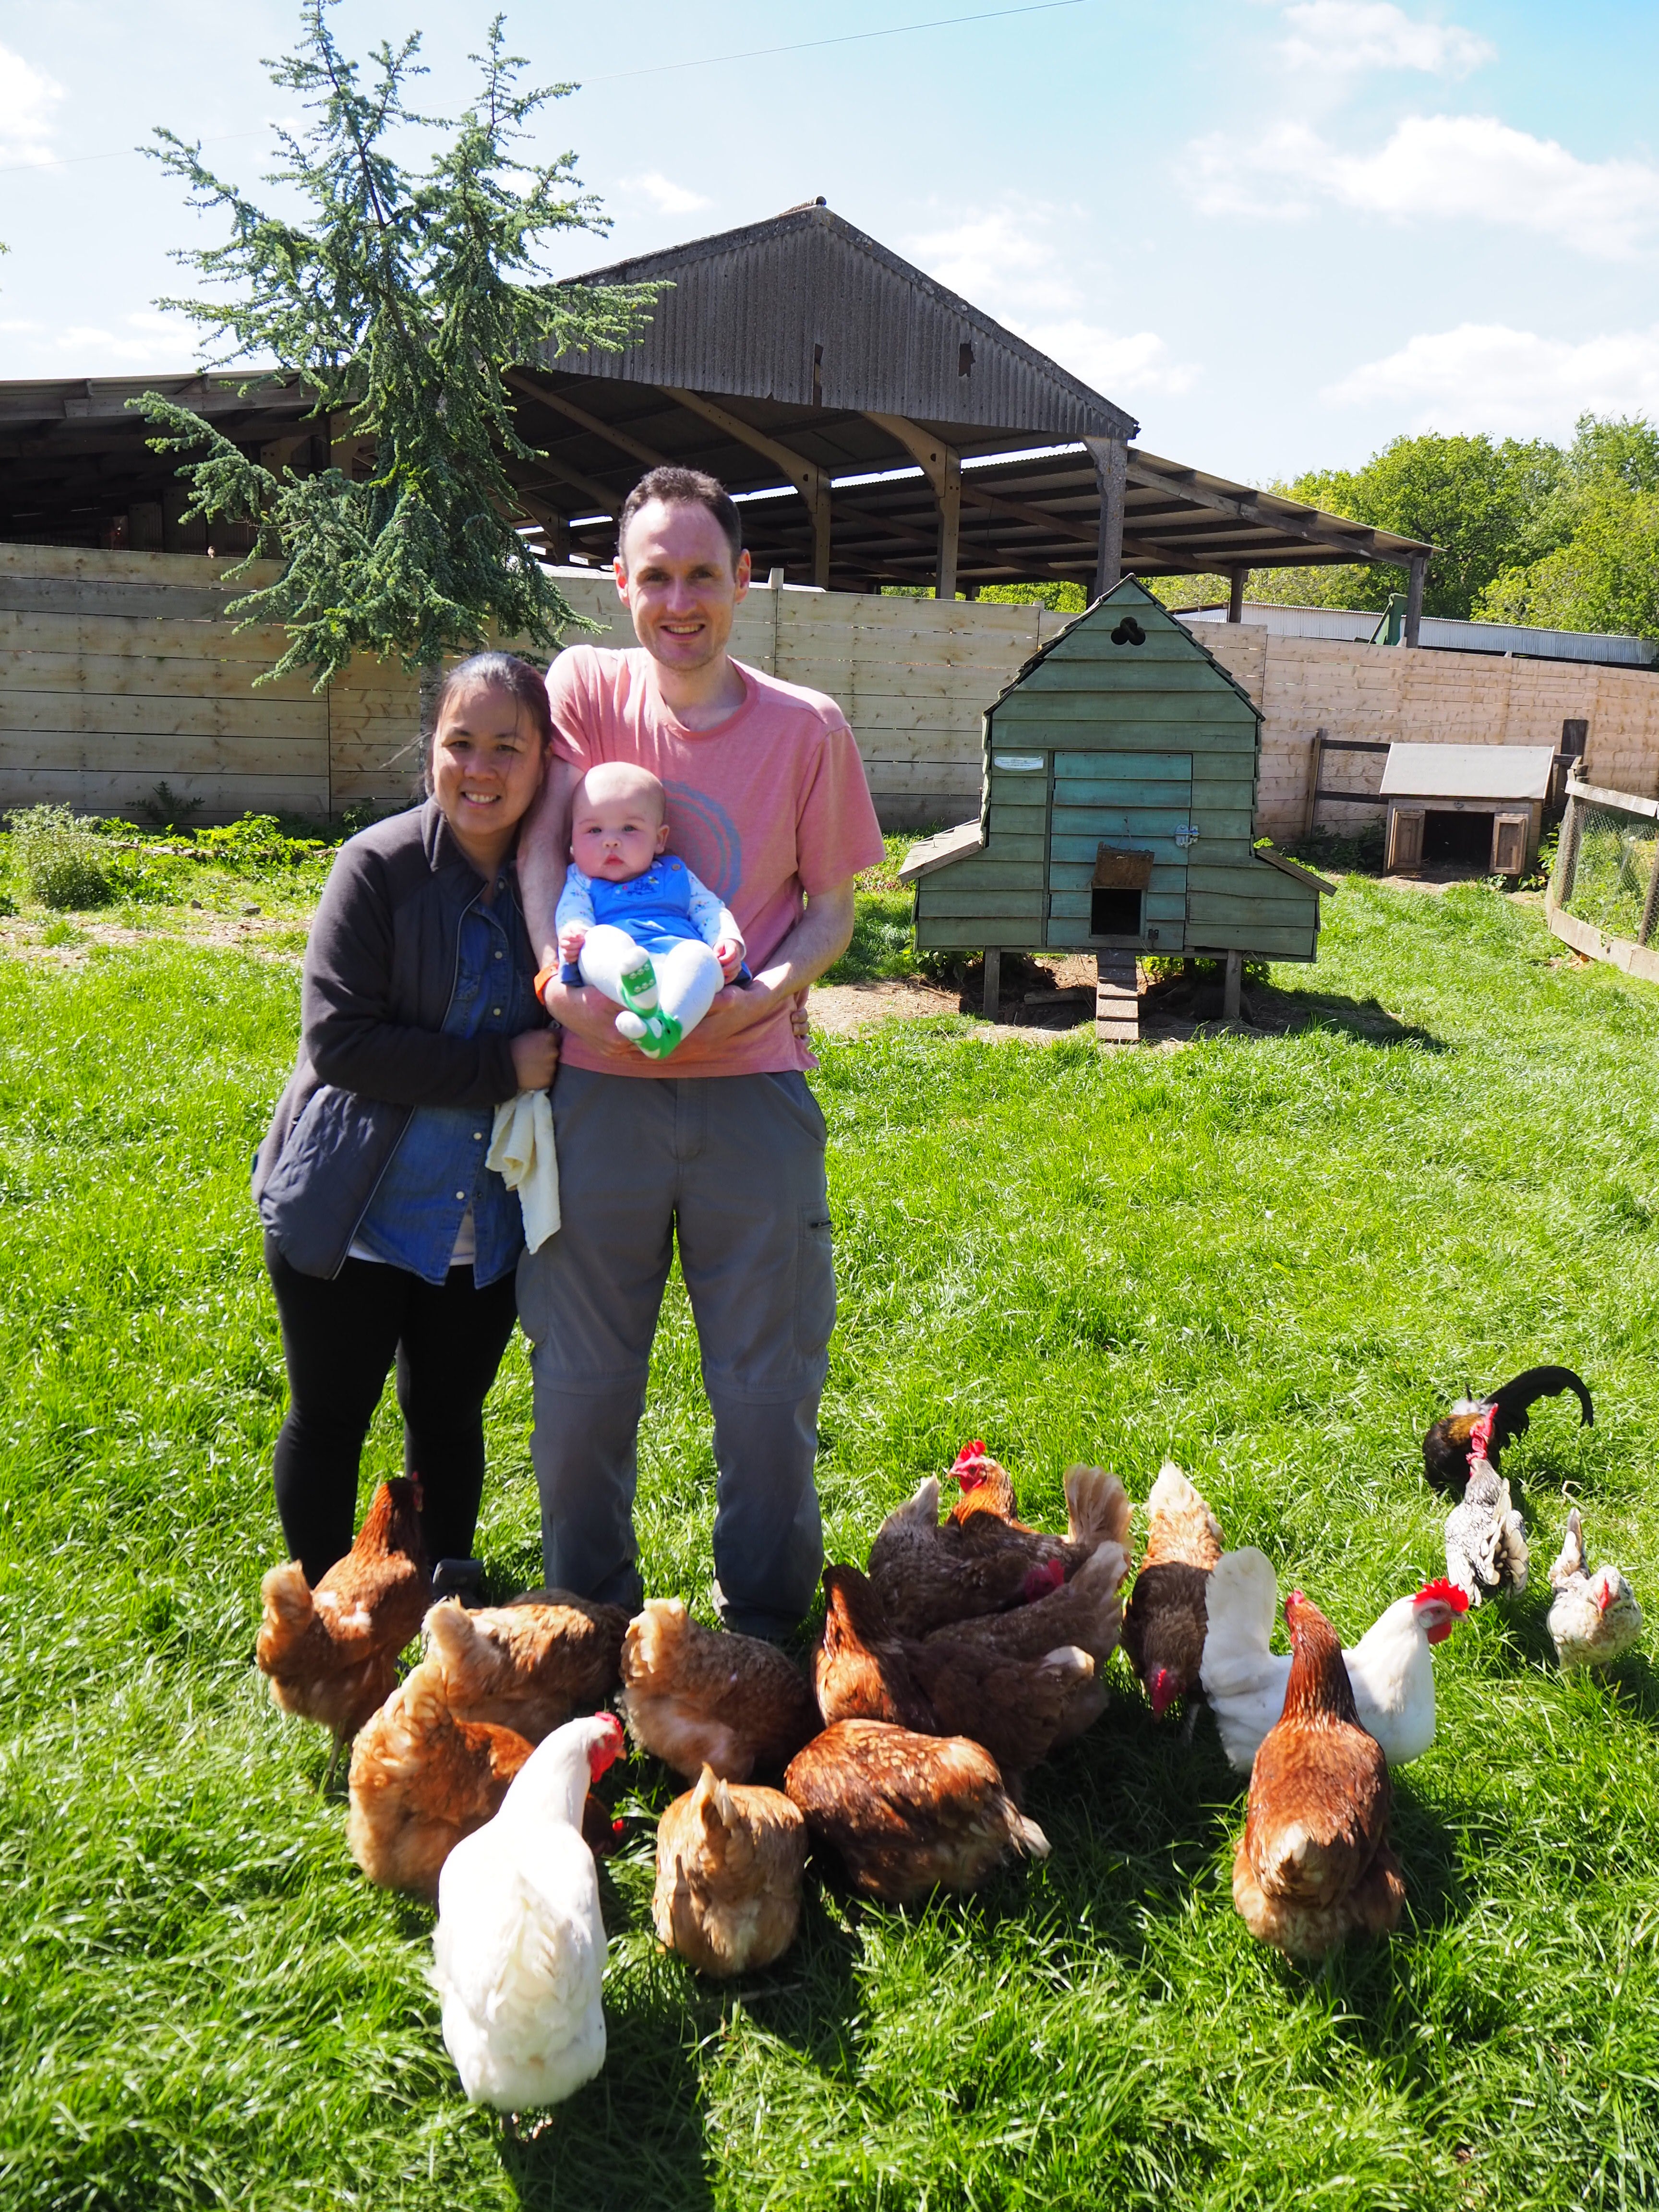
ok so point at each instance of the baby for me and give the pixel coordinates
(635, 922)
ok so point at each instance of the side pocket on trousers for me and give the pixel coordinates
(815, 1284)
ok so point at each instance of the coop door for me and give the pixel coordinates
(1120, 830)
(1406, 825)
(1509, 844)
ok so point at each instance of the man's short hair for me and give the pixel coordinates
(683, 488)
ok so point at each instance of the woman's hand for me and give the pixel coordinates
(535, 1056)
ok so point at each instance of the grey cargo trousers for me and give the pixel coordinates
(734, 1166)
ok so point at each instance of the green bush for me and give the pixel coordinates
(257, 840)
(59, 860)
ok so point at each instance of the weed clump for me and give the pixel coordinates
(58, 858)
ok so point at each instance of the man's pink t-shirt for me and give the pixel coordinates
(770, 804)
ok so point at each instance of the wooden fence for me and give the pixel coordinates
(1308, 688)
(118, 671)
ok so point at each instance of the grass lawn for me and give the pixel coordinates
(1275, 1259)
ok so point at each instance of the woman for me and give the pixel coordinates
(385, 1234)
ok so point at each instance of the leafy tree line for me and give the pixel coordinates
(1563, 537)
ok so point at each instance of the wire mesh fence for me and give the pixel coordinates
(1612, 871)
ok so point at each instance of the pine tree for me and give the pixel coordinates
(400, 303)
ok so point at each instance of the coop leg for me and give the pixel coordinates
(993, 983)
(1117, 998)
(1230, 989)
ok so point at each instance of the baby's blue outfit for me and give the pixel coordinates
(665, 906)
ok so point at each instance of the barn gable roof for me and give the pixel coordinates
(808, 311)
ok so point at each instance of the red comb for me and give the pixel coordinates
(1480, 1434)
(1443, 1593)
(968, 1453)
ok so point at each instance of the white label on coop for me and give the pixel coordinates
(1018, 763)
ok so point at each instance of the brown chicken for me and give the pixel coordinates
(421, 1779)
(926, 1575)
(1014, 1708)
(530, 1666)
(1087, 1612)
(1164, 1623)
(730, 1857)
(332, 1652)
(1313, 1864)
(700, 1697)
(908, 1813)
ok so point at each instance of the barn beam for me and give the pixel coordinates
(811, 482)
(624, 443)
(1111, 457)
(942, 466)
(1358, 541)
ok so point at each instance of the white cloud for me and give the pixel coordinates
(665, 195)
(1018, 263)
(1449, 168)
(1344, 36)
(1121, 367)
(1486, 376)
(28, 97)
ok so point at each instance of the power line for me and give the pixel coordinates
(845, 38)
(654, 69)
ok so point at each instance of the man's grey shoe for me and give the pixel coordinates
(459, 1578)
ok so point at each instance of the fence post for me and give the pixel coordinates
(1566, 851)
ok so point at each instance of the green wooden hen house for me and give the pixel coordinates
(1118, 799)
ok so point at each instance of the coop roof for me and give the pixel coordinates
(1500, 772)
(1129, 594)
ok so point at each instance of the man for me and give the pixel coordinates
(722, 1142)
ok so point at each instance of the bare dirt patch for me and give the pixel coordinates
(269, 937)
(844, 1009)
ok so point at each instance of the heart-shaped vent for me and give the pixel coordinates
(1129, 632)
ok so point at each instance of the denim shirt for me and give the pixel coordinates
(438, 1169)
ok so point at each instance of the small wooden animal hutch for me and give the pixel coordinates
(1430, 789)
(1119, 796)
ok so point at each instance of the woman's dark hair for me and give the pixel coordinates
(492, 672)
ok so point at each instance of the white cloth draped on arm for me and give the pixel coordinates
(522, 1152)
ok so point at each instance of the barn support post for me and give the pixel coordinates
(811, 482)
(1111, 458)
(942, 466)
(1232, 987)
(1236, 595)
(1416, 576)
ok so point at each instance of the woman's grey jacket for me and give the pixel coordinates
(379, 972)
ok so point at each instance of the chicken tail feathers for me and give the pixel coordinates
(1239, 1606)
(1025, 1836)
(1517, 1397)
(285, 1598)
(1096, 1507)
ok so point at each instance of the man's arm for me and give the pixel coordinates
(816, 942)
(543, 844)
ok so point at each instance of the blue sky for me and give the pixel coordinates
(1278, 233)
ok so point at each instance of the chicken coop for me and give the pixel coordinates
(1480, 804)
(1119, 796)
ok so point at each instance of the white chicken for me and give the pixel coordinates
(1389, 1669)
(1594, 1617)
(518, 1949)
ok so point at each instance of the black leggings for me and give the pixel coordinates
(339, 1337)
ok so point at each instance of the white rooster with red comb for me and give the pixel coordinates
(1389, 1669)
